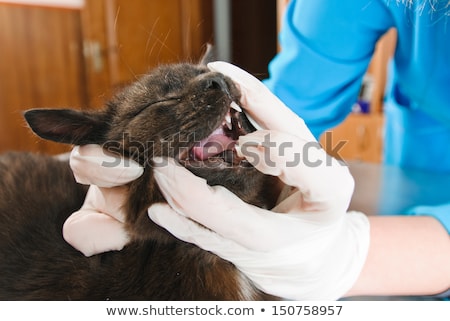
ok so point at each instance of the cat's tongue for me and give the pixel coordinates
(214, 144)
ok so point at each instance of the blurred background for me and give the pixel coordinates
(76, 53)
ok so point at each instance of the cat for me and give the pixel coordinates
(171, 111)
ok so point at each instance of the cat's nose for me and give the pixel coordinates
(216, 82)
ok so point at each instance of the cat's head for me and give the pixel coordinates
(184, 111)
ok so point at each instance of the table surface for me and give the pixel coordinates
(388, 190)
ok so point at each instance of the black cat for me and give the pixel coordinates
(169, 112)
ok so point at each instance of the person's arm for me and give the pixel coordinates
(407, 256)
(326, 46)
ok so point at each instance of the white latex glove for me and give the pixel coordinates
(99, 225)
(91, 164)
(307, 247)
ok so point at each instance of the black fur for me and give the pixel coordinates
(162, 114)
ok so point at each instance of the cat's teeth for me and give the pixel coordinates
(228, 121)
(235, 106)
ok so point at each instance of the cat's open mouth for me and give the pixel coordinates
(218, 149)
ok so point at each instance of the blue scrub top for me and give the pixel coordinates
(326, 48)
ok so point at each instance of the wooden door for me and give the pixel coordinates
(254, 34)
(41, 65)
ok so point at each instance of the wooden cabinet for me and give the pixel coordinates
(75, 57)
(359, 137)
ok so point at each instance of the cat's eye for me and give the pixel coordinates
(162, 102)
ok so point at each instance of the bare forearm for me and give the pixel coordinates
(407, 256)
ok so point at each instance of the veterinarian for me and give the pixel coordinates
(326, 49)
(308, 247)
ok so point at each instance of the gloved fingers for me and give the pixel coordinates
(188, 231)
(91, 164)
(223, 212)
(281, 242)
(93, 232)
(261, 105)
(321, 179)
(109, 201)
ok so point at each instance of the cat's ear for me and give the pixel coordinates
(67, 125)
(209, 55)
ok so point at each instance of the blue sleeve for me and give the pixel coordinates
(326, 48)
(439, 212)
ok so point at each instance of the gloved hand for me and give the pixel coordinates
(307, 247)
(99, 225)
(92, 165)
